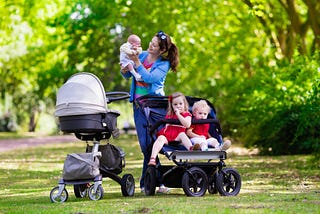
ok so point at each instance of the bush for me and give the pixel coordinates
(278, 108)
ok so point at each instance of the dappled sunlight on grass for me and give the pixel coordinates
(268, 184)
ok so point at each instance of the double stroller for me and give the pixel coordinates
(81, 108)
(194, 171)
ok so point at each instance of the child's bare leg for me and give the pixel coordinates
(157, 146)
(133, 72)
(184, 139)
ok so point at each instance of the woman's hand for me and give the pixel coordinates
(124, 69)
(135, 59)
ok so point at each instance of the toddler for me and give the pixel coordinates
(177, 109)
(199, 133)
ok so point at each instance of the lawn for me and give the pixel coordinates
(281, 184)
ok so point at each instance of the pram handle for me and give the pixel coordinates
(177, 122)
(116, 95)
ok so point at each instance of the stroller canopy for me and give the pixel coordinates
(82, 94)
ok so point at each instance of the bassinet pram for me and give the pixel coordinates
(81, 108)
(194, 171)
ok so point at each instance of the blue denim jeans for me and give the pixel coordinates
(141, 124)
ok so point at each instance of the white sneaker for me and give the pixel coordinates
(163, 189)
(142, 190)
(226, 145)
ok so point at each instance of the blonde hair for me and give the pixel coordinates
(201, 104)
(174, 96)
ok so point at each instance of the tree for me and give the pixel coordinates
(287, 24)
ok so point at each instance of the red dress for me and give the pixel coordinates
(171, 131)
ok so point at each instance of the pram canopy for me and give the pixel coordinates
(82, 94)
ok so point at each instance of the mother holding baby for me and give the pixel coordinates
(153, 66)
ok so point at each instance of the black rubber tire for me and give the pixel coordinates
(194, 182)
(97, 195)
(80, 190)
(228, 182)
(127, 185)
(58, 199)
(150, 180)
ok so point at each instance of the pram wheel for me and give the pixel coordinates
(80, 190)
(56, 198)
(127, 185)
(95, 195)
(194, 182)
(228, 182)
(212, 187)
(150, 181)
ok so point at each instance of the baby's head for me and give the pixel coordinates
(134, 40)
(200, 109)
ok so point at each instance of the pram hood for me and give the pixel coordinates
(82, 94)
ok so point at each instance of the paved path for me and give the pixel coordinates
(11, 144)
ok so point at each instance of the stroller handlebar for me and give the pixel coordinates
(177, 122)
(116, 95)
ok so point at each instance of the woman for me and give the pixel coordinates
(153, 66)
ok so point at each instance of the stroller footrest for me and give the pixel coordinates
(196, 155)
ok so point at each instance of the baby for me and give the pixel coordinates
(132, 46)
(199, 133)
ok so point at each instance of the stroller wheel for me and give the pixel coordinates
(150, 181)
(95, 195)
(55, 198)
(212, 187)
(228, 182)
(194, 182)
(80, 190)
(127, 185)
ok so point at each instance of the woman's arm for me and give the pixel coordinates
(158, 71)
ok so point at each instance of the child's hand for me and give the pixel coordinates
(177, 111)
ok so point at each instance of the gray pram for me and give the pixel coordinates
(81, 108)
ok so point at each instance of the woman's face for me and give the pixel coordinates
(154, 47)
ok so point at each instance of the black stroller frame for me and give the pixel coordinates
(92, 127)
(194, 171)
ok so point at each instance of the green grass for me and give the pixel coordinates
(283, 184)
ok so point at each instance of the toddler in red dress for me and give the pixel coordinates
(177, 109)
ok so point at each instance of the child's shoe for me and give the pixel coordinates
(152, 162)
(196, 147)
(225, 146)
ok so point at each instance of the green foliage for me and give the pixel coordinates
(282, 115)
